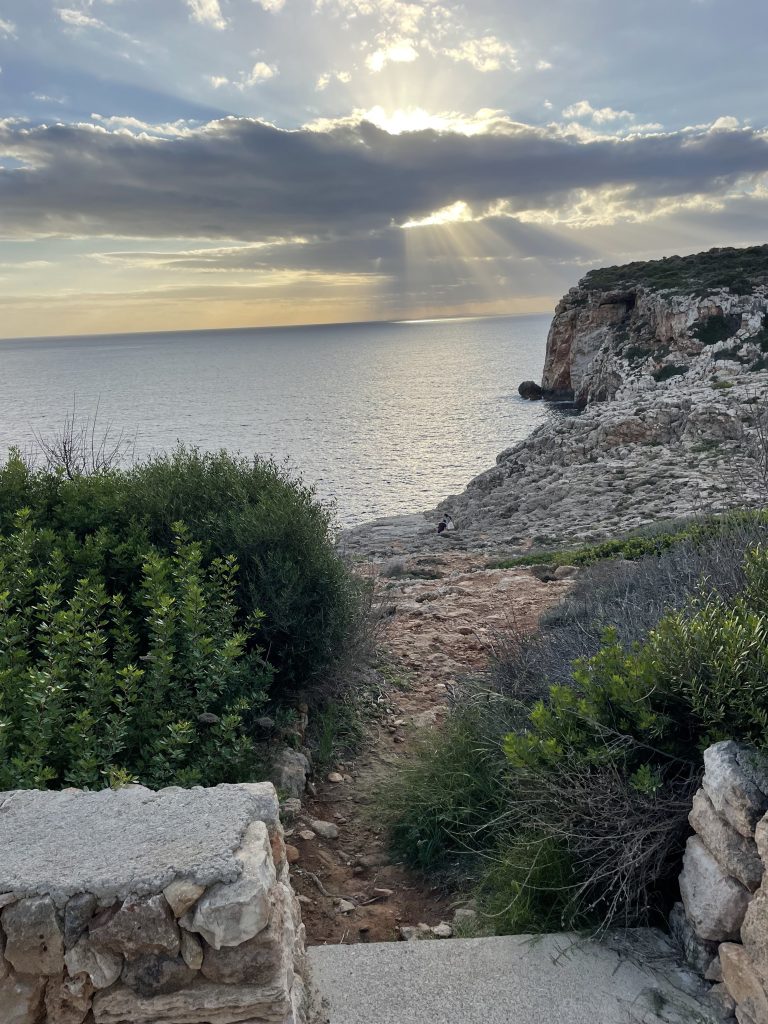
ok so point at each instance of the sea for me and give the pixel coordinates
(380, 418)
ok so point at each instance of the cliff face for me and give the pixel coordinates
(601, 340)
(668, 362)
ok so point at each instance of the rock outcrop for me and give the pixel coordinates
(665, 369)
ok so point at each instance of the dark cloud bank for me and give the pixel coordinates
(244, 179)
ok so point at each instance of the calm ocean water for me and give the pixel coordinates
(383, 418)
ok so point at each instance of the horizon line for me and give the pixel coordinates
(276, 327)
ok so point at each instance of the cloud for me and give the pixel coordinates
(324, 80)
(485, 54)
(78, 19)
(399, 51)
(7, 29)
(241, 178)
(273, 6)
(725, 124)
(207, 12)
(260, 72)
(602, 115)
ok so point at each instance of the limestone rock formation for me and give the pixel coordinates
(714, 902)
(668, 362)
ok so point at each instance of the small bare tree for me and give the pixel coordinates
(83, 446)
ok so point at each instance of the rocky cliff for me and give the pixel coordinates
(622, 325)
(667, 364)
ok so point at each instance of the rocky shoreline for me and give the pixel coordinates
(672, 385)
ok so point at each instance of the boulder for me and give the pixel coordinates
(715, 903)
(324, 829)
(182, 895)
(736, 854)
(725, 1004)
(101, 966)
(740, 978)
(734, 795)
(290, 769)
(746, 1013)
(21, 999)
(68, 1000)
(754, 932)
(34, 938)
(231, 913)
(254, 962)
(155, 975)
(5, 967)
(698, 953)
(258, 960)
(531, 390)
(290, 809)
(139, 926)
(77, 915)
(202, 1003)
(191, 950)
(761, 839)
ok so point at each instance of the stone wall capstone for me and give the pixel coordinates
(142, 907)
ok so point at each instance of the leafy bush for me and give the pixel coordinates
(716, 328)
(452, 798)
(101, 685)
(601, 719)
(649, 540)
(737, 269)
(252, 510)
(668, 372)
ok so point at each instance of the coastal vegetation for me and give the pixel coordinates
(562, 783)
(736, 269)
(147, 614)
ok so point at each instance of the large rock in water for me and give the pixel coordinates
(530, 389)
(714, 902)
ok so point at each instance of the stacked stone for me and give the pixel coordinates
(722, 924)
(136, 907)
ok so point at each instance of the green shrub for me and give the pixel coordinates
(526, 885)
(278, 533)
(703, 273)
(100, 685)
(716, 328)
(668, 372)
(450, 800)
(648, 541)
(587, 820)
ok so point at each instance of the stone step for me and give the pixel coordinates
(630, 978)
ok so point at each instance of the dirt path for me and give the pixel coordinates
(443, 613)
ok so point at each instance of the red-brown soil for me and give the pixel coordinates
(442, 616)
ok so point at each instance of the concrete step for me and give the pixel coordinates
(630, 978)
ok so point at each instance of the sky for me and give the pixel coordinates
(181, 164)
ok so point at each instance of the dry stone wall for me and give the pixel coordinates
(722, 923)
(141, 907)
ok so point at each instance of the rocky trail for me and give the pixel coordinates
(442, 615)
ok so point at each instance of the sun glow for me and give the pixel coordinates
(416, 119)
(455, 213)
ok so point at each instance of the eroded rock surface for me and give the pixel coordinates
(672, 383)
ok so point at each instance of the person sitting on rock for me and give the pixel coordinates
(446, 523)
